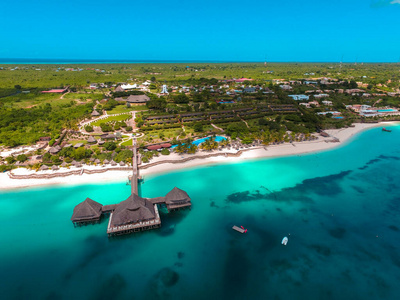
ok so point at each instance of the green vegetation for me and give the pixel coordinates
(123, 117)
(201, 96)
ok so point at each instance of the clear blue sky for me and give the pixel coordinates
(362, 30)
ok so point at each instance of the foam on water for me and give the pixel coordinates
(340, 208)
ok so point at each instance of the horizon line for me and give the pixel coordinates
(27, 61)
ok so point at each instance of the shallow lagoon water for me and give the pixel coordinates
(340, 207)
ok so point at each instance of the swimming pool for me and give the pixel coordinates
(386, 110)
(218, 139)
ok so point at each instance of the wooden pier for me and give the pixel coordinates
(135, 169)
(135, 213)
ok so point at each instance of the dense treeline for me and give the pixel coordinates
(26, 126)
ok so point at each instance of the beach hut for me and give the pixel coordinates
(97, 161)
(55, 168)
(73, 163)
(113, 163)
(88, 211)
(64, 164)
(105, 162)
(121, 163)
(44, 168)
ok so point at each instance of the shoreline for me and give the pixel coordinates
(164, 165)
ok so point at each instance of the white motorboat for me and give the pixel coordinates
(285, 240)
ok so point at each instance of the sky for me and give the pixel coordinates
(271, 30)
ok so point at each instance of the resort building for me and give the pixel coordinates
(285, 87)
(299, 97)
(319, 96)
(327, 103)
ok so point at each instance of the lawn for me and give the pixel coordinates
(123, 117)
(123, 109)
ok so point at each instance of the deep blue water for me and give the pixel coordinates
(340, 207)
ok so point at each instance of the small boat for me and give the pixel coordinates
(285, 240)
(239, 229)
(387, 130)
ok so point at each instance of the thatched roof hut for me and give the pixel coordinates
(97, 161)
(43, 168)
(105, 162)
(113, 163)
(177, 196)
(55, 168)
(64, 164)
(133, 210)
(119, 89)
(73, 162)
(55, 150)
(91, 139)
(166, 145)
(121, 163)
(95, 113)
(138, 99)
(87, 211)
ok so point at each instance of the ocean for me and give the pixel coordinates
(339, 209)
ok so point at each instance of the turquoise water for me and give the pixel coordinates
(199, 141)
(340, 207)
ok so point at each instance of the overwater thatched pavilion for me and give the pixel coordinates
(88, 211)
(133, 214)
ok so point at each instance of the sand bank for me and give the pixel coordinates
(171, 162)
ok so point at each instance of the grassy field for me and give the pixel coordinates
(49, 76)
(123, 109)
(123, 117)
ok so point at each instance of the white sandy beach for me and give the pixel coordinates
(286, 149)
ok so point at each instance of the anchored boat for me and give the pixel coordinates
(387, 130)
(285, 240)
(240, 229)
